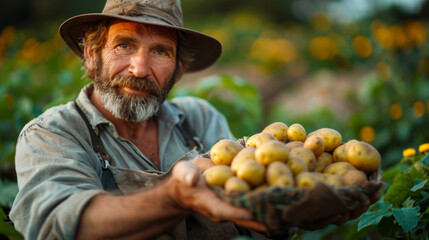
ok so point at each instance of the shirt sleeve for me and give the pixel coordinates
(56, 178)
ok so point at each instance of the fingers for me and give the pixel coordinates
(215, 208)
(252, 224)
(194, 194)
(187, 173)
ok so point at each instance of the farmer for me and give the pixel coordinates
(134, 51)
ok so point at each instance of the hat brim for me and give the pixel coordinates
(206, 49)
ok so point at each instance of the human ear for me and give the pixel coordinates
(89, 58)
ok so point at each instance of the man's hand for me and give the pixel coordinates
(191, 193)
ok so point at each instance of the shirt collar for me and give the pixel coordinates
(169, 113)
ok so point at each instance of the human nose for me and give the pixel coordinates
(139, 64)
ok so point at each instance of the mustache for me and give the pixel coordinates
(136, 83)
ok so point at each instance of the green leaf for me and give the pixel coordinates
(408, 218)
(373, 218)
(399, 190)
(7, 229)
(8, 191)
(2, 215)
(409, 202)
(418, 184)
(425, 160)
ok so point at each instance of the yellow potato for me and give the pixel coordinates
(308, 179)
(245, 154)
(262, 187)
(296, 132)
(315, 144)
(294, 144)
(364, 156)
(236, 184)
(339, 168)
(224, 151)
(355, 177)
(258, 139)
(278, 130)
(340, 153)
(331, 138)
(218, 175)
(322, 161)
(271, 151)
(306, 155)
(297, 165)
(333, 179)
(252, 172)
(203, 163)
(279, 174)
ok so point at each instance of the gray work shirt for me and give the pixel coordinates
(58, 171)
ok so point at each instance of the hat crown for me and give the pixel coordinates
(168, 11)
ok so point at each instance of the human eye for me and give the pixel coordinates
(124, 48)
(162, 53)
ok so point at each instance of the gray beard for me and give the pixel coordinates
(132, 110)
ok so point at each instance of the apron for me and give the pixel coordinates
(127, 181)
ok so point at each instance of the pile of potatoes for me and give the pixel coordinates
(287, 156)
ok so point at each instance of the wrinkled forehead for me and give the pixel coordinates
(123, 26)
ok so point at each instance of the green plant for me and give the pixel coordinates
(234, 97)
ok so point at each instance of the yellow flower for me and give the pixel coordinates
(367, 134)
(395, 111)
(419, 109)
(424, 147)
(362, 46)
(409, 152)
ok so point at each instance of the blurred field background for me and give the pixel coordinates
(358, 66)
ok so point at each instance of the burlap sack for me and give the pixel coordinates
(283, 207)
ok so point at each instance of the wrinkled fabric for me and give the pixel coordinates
(58, 171)
(281, 208)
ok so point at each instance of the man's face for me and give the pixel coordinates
(136, 69)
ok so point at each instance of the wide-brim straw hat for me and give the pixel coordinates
(165, 13)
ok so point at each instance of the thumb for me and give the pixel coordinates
(187, 173)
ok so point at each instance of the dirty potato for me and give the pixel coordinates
(224, 151)
(340, 153)
(252, 172)
(294, 144)
(271, 151)
(258, 139)
(297, 165)
(296, 132)
(339, 168)
(306, 155)
(203, 163)
(236, 184)
(308, 179)
(331, 138)
(322, 161)
(355, 177)
(333, 179)
(245, 154)
(364, 156)
(315, 144)
(278, 130)
(218, 175)
(279, 174)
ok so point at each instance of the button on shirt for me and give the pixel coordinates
(59, 172)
